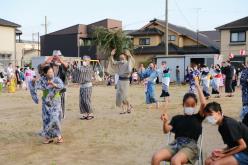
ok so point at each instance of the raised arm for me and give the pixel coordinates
(112, 57)
(63, 63)
(201, 97)
(143, 74)
(47, 61)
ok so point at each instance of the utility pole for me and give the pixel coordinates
(197, 28)
(38, 43)
(45, 25)
(38, 38)
(166, 29)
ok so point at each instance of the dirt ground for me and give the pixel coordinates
(109, 139)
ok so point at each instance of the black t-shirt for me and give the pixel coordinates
(231, 131)
(189, 126)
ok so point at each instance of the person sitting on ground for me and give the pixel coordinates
(234, 135)
(187, 129)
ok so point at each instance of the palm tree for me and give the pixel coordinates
(108, 39)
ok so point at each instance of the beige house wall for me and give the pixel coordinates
(7, 41)
(139, 59)
(21, 48)
(226, 47)
(156, 39)
(189, 42)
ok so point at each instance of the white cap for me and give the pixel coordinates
(86, 58)
(57, 53)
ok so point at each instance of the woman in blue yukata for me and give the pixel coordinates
(244, 84)
(194, 73)
(51, 104)
(150, 75)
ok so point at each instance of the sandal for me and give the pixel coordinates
(130, 109)
(122, 113)
(83, 118)
(47, 141)
(90, 117)
(60, 140)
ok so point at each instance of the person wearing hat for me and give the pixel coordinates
(84, 73)
(60, 68)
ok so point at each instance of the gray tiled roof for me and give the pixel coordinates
(4, 22)
(190, 33)
(240, 23)
(212, 34)
(147, 31)
(173, 49)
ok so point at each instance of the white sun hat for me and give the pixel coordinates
(57, 53)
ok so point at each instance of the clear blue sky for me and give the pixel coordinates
(134, 13)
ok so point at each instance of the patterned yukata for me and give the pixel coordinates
(28, 77)
(51, 105)
(165, 82)
(216, 81)
(84, 76)
(205, 81)
(192, 75)
(150, 88)
(61, 72)
(244, 84)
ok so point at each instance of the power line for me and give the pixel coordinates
(142, 21)
(181, 12)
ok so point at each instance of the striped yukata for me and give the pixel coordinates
(84, 77)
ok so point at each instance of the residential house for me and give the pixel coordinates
(25, 51)
(234, 40)
(75, 41)
(184, 45)
(7, 42)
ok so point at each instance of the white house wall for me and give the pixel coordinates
(7, 41)
(172, 62)
(183, 61)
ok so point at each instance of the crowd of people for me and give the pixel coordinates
(15, 77)
(52, 79)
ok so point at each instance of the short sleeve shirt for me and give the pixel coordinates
(232, 131)
(189, 126)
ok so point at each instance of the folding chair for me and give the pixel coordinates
(199, 144)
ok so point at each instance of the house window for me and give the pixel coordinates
(172, 38)
(144, 41)
(85, 42)
(238, 36)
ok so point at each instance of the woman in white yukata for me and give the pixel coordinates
(51, 104)
(165, 72)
